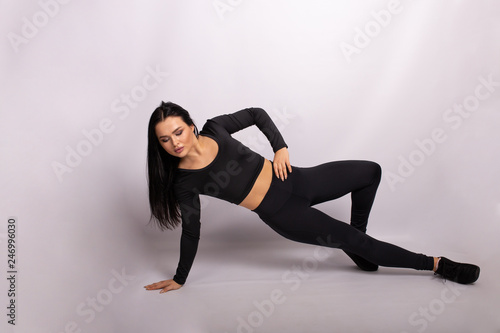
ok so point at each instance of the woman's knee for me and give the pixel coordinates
(359, 243)
(375, 171)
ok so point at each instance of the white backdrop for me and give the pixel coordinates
(412, 85)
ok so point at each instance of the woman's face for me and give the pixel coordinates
(175, 136)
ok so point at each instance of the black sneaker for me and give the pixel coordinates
(456, 271)
(362, 262)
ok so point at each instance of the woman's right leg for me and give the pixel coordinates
(297, 221)
(288, 212)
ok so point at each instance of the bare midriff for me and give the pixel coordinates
(260, 187)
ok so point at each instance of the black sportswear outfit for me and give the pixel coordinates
(286, 207)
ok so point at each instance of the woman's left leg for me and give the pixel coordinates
(332, 180)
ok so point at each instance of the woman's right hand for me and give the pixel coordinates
(165, 285)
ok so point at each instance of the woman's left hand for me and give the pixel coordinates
(281, 163)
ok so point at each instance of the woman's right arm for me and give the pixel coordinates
(190, 212)
(190, 237)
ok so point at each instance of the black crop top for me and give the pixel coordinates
(230, 176)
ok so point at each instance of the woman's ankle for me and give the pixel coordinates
(436, 263)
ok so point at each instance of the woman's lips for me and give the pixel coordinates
(179, 150)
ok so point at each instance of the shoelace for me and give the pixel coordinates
(443, 279)
(447, 271)
(451, 271)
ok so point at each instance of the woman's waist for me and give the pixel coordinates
(260, 187)
(277, 194)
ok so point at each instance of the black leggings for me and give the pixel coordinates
(286, 208)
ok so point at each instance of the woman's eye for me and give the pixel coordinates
(179, 133)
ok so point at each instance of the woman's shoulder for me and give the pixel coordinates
(213, 129)
(209, 124)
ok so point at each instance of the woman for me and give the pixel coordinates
(182, 164)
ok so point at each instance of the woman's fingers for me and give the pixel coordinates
(151, 286)
(156, 285)
(165, 286)
(280, 173)
(281, 170)
(282, 164)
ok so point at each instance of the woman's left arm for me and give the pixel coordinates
(281, 163)
(257, 116)
(239, 120)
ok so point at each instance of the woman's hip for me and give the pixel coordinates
(279, 193)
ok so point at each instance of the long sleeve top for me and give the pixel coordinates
(230, 176)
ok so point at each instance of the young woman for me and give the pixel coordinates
(182, 164)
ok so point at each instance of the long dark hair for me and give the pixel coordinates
(161, 167)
